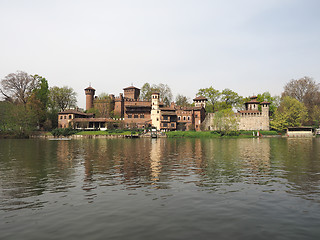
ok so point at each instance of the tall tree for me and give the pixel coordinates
(213, 95)
(182, 100)
(62, 98)
(163, 89)
(145, 92)
(17, 87)
(230, 98)
(273, 100)
(290, 113)
(225, 121)
(306, 91)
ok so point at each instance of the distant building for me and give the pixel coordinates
(132, 112)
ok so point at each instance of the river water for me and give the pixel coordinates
(160, 189)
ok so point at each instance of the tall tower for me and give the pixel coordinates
(265, 108)
(155, 110)
(200, 101)
(89, 91)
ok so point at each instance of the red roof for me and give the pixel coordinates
(199, 98)
(89, 88)
(131, 87)
(265, 102)
(72, 111)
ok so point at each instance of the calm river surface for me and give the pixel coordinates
(160, 189)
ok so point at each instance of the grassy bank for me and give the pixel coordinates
(214, 134)
(110, 132)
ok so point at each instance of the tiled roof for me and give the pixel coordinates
(131, 87)
(73, 111)
(200, 98)
(89, 88)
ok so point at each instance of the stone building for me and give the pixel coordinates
(254, 117)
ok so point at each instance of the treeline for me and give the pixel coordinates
(30, 104)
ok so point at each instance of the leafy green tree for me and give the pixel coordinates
(306, 91)
(62, 98)
(212, 95)
(41, 90)
(164, 90)
(225, 121)
(290, 113)
(145, 92)
(273, 100)
(182, 100)
(230, 98)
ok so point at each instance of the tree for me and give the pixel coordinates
(62, 98)
(41, 90)
(290, 113)
(306, 91)
(225, 121)
(274, 101)
(230, 98)
(182, 101)
(17, 87)
(163, 89)
(212, 95)
(145, 92)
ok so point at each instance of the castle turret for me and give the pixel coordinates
(89, 91)
(253, 104)
(265, 107)
(200, 101)
(155, 110)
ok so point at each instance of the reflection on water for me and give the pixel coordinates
(236, 173)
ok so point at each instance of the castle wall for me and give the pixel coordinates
(256, 121)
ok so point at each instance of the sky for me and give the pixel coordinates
(249, 46)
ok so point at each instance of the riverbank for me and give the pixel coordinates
(215, 134)
(173, 134)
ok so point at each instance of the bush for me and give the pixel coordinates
(63, 132)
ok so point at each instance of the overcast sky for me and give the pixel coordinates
(249, 46)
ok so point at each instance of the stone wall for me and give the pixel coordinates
(246, 122)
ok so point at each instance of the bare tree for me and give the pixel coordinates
(305, 90)
(17, 87)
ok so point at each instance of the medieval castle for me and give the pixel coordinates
(129, 111)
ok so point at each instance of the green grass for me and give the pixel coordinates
(104, 133)
(192, 134)
(214, 134)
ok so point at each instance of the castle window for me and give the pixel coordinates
(61, 117)
(184, 118)
(65, 117)
(172, 124)
(141, 116)
(188, 118)
(129, 116)
(179, 118)
(70, 116)
(196, 116)
(136, 116)
(165, 124)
